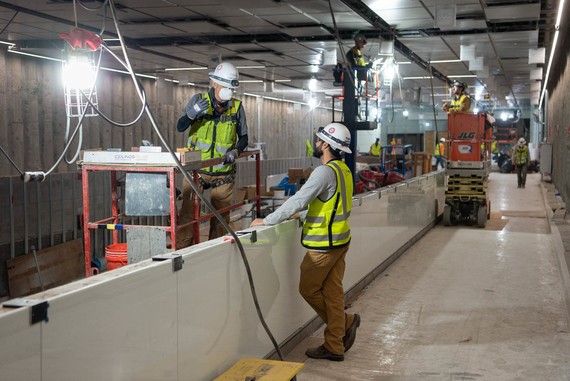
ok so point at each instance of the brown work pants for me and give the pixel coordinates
(321, 286)
(221, 197)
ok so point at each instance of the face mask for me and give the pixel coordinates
(225, 94)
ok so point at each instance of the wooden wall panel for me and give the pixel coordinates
(34, 120)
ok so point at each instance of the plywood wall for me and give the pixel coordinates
(33, 119)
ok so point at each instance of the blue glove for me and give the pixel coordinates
(198, 108)
(230, 156)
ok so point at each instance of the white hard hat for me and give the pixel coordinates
(442, 140)
(226, 75)
(522, 141)
(360, 36)
(337, 135)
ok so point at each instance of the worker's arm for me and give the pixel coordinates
(241, 130)
(321, 183)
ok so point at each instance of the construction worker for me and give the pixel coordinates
(355, 58)
(218, 128)
(461, 101)
(326, 235)
(521, 157)
(375, 148)
(439, 153)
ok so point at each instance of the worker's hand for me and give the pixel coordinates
(257, 222)
(198, 108)
(445, 107)
(230, 156)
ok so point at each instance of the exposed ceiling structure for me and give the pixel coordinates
(279, 45)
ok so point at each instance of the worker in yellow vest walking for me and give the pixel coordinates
(521, 157)
(375, 148)
(439, 154)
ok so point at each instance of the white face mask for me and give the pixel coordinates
(225, 94)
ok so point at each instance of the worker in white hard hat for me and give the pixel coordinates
(326, 236)
(439, 153)
(521, 158)
(461, 101)
(218, 128)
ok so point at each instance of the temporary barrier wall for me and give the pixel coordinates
(148, 322)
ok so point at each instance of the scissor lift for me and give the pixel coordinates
(468, 167)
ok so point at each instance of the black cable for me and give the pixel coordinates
(433, 103)
(9, 22)
(11, 161)
(197, 190)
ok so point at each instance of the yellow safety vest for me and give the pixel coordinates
(326, 226)
(358, 58)
(439, 149)
(494, 148)
(463, 104)
(215, 135)
(375, 149)
(521, 155)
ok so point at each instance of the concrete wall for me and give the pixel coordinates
(558, 111)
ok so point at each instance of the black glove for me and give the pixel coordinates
(230, 156)
(369, 65)
(183, 123)
(198, 108)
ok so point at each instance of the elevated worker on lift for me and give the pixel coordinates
(375, 148)
(461, 101)
(356, 62)
(439, 154)
(218, 128)
(326, 235)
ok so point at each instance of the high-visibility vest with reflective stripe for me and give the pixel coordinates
(439, 149)
(358, 58)
(462, 101)
(216, 135)
(326, 226)
(375, 149)
(521, 155)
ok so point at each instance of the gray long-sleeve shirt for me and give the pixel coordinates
(321, 183)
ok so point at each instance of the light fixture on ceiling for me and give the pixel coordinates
(185, 68)
(14, 49)
(554, 42)
(80, 70)
(252, 81)
(443, 61)
(251, 67)
(7, 43)
(406, 113)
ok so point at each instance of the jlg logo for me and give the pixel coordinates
(466, 136)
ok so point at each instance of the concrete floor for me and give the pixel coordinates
(465, 303)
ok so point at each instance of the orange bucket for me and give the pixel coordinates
(116, 255)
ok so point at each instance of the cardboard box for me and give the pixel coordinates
(248, 193)
(294, 174)
(307, 172)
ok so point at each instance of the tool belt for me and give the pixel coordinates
(218, 182)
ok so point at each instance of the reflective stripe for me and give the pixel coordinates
(202, 146)
(342, 184)
(324, 238)
(320, 220)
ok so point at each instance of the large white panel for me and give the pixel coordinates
(122, 328)
(20, 346)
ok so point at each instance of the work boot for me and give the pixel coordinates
(350, 334)
(323, 354)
